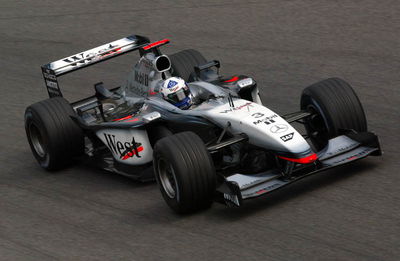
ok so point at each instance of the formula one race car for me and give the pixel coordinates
(227, 147)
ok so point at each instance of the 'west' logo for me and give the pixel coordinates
(125, 150)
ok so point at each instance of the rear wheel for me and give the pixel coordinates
(184, 172)
(54, 138)
(183, 62)
(335, 107)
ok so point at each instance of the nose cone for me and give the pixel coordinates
(264, 127)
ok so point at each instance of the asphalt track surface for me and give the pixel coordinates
(348, 213)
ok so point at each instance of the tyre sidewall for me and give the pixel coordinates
(172, 202)
(31, 117)
(335, 101)
(62, 139)
(193, 169)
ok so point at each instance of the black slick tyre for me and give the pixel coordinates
(55, 139)
(183, 62)
(184, 172)
(335, 107)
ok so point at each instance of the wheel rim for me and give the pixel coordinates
(167, 178)
(37, 140)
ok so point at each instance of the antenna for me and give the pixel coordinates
(230, 99)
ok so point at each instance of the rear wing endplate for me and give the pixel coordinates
(83, 59)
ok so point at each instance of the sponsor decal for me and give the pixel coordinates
(287, 137)
(53, 93)
(124, 150)
(353, 157)
(339, 150)
(51, 84)
(279, 128)
(267, 120)
(246, 105)
(257, 115)
(173, 89)
(264, 190)
(48, 75)
(269, 188)
(171, 84)
(142, 78)
(115, 51)
(86, 57)
(249, 184)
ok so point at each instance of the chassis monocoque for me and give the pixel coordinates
(227, 147)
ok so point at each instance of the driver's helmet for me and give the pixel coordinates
(176, 91)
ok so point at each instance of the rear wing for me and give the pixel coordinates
(83, 59)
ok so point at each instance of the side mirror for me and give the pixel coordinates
(202, 67)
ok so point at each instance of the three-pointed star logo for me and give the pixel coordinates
(279, 128)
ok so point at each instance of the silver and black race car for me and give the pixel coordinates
(227, 147)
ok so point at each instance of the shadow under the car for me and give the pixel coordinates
(111, 181)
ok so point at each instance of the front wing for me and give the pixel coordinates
(340, 150)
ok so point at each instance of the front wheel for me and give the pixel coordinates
(184, 172)
(334, 106)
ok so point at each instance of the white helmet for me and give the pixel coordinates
(177, 92)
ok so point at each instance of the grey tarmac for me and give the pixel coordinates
(81, 213)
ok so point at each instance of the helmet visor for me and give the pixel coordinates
(178, 96)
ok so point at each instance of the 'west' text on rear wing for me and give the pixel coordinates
(83, 59)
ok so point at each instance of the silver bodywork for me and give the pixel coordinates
(264, 127)
(122, 120)
(257, 121)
